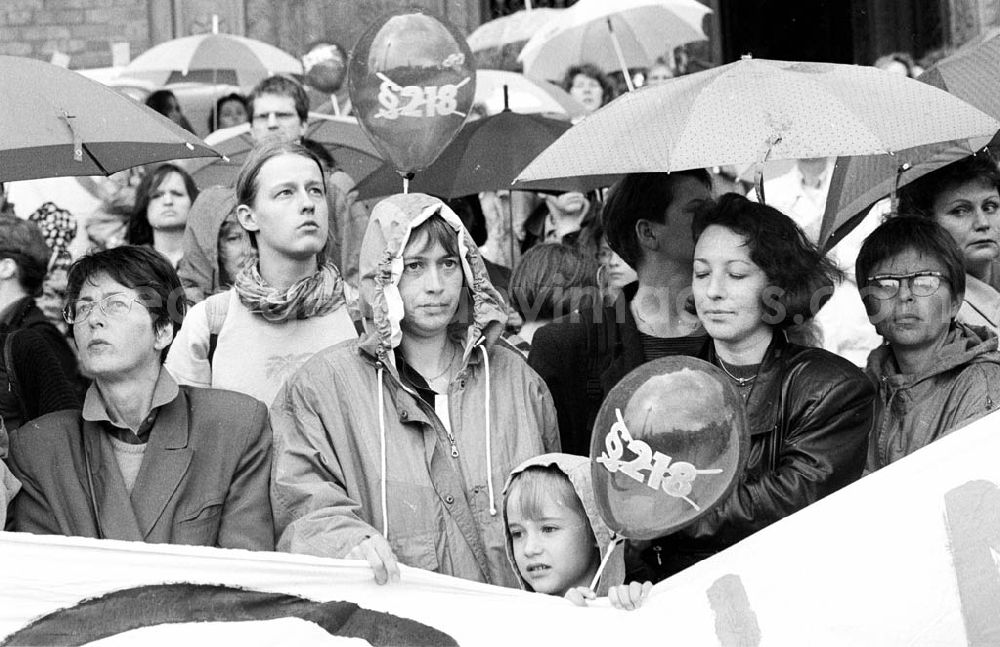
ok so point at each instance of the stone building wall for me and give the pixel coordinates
(83, 29)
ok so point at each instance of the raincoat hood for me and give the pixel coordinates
(963, 345)
(381, 265)
(577, 470)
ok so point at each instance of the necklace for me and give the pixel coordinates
(447, 366)
(740, 381)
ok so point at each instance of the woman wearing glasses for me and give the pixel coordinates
(934, 374)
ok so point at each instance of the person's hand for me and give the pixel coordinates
(579, 595)
(629, 596)
(378, 552)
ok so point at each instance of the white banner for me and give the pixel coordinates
(907, 556)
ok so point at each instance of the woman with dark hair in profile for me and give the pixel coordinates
(934, 374)
(165, 103)
(552, 280)
(810, 411)
(647, 218)
(162, 202)
(964, 198)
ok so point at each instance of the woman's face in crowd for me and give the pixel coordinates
(169, 204)
(728, 287)
(430, 287)
(232, 113)
(971, 214)
(588, 91)
(617, 272)
(908, 321)
(290, 213)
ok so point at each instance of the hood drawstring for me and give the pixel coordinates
(381, 437)
(489, 444)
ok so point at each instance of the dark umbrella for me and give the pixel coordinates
(486, 155)
(342, 137)
(55, 122)
(857, 183)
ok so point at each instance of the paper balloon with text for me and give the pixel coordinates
(669, 443)
(412, 82)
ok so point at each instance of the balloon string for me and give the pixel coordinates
(615, 540)
(406, 184)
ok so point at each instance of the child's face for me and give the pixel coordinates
(555, 552)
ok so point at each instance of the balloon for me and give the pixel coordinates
(670, 441)
(412, 81)
(325, 67)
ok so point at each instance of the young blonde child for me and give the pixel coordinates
(555, 536)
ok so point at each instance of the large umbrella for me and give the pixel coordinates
(857, 183)
(612, 35)
(754, 110)
(218, 59)
(55, 122)
(499, 89)
(342, 137)
(486, 155)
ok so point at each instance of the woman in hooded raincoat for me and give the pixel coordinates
(396, 445)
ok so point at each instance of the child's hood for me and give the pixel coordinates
(381, 265)
(577, 470)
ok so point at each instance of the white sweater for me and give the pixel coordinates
(252, 355)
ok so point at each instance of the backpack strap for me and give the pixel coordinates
(216, 310)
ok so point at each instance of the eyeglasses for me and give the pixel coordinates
(113, 305)
(921, 284)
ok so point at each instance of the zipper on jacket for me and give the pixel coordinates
(421, 403)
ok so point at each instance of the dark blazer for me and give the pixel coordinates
(204, 477)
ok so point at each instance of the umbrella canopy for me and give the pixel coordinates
(511, 29)
(753, 110)
(212, 58)
(55, 122)
(486, 155)
(342, 137)
(524, 95)
(857, 183)
(644, 30)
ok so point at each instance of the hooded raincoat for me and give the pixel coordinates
(577, 470)
(359, 452)
(960, 385)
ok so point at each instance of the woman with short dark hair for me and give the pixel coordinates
(934, 374)
(964, 198)
(162, 202)
(810, 411)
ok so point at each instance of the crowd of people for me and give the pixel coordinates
(272, 366)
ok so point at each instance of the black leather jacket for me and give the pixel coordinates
(810, 414)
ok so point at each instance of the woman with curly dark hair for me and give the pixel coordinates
(810, 411)
(162, 203)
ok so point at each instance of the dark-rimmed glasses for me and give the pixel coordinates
(113, 305)
(921, 284)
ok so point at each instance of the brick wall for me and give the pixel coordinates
(83, 29)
